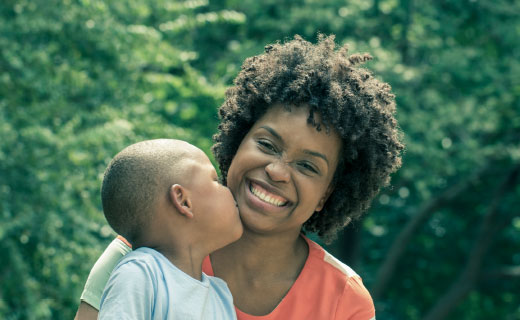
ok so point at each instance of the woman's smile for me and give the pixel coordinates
(266, 196)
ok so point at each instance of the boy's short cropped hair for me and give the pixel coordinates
(133, 181)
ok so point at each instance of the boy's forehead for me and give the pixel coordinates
(198, 155)
(195, 160)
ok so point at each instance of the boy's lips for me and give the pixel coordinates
(266, 196)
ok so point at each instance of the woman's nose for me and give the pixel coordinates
(278, 171)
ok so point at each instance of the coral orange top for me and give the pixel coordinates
(325, 289)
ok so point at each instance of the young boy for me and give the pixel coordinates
(164, 197)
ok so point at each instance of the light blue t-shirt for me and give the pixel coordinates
(146, 285)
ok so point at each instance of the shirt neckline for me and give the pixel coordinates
(312, 250)
(204, 281)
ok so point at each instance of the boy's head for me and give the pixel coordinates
(153, 184)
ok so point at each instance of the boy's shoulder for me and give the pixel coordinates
(159, 268)
(143, 260)
(219, 285)
(142, 254)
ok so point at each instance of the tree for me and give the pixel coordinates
(80, 80)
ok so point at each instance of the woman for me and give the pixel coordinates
(305, 142)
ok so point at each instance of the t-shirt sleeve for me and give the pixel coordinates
(356, 303)
(101, 270)
(129, 293)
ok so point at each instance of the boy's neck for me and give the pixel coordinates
(188, 260)
(175, 241)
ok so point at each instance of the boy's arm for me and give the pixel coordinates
(98, 277)
(129, 293)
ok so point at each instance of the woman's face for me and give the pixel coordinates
(282, 171)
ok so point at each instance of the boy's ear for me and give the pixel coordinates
(179, 196)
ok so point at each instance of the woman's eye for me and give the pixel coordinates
(308, 167)
(266, 145)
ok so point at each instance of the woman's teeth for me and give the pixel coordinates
(266, 198)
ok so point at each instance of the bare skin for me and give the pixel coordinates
(275, 269)
(86, 312)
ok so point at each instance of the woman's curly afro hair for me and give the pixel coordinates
(349, 100)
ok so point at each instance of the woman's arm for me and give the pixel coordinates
(86, 312)
(98, 278)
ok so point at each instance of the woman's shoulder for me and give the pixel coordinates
(322, 259)
(335, 274)
(340, 281)
(325, 260)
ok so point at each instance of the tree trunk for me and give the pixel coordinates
(490, 226)
(398, 247)
(375, 9)
(503, 272)
(404, 44)
(350, 246)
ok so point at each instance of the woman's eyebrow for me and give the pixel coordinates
(316, 154)
(273, 132)
(309, 152)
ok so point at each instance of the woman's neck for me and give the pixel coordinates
(263, 254)
(265, 266)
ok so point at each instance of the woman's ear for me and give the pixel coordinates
(180, 199)
(325, 197)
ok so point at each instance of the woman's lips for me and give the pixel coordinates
(265, 196)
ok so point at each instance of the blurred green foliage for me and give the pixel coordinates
(81, 79)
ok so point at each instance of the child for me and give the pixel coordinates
(164, 197)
